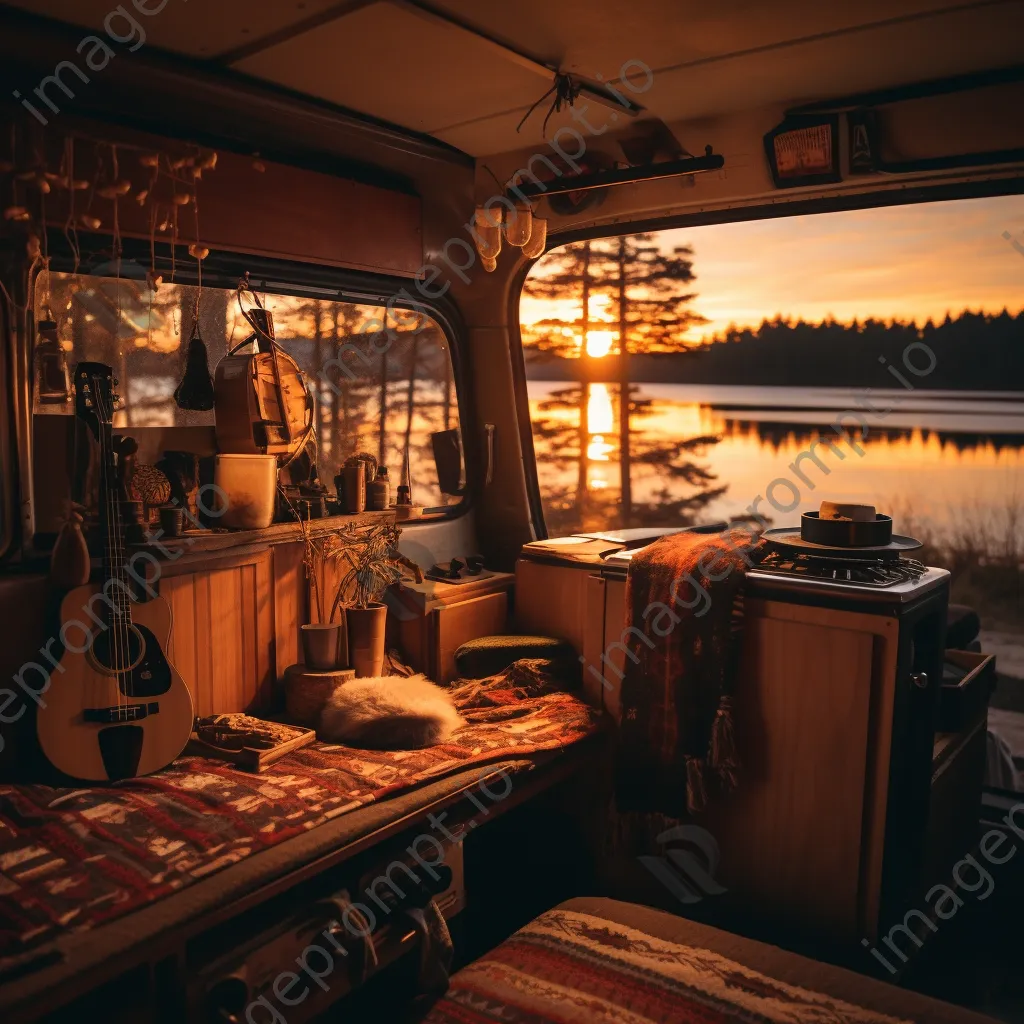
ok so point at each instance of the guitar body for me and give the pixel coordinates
(117, 709)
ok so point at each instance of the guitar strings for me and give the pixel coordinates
(116, 566)
(116, 644)
(106, 456)
(124, 618)
(121, 568)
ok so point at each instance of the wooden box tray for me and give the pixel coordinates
(966, 691)
(251, 744)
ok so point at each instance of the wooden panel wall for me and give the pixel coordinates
(291, 600)
(223, 632)
(260, 207)
(237, 624)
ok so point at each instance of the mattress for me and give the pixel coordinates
(87, 874)
(599, 961)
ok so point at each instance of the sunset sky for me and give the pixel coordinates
(907, 262)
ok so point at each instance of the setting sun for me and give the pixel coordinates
(599, 343)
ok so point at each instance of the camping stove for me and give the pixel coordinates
(888, 579)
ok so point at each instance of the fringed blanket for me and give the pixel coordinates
(71, 859)
(684, 614)
(572, 968)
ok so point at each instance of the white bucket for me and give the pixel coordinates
(247, 490)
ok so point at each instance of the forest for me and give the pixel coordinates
(969, 352)
(630, 289)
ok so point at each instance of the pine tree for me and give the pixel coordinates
(645, 287)
(570, 268)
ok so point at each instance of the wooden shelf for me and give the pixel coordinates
(199, 542)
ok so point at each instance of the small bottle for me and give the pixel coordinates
(405, 487)
(355, 487)
(378, 496)
(53, 379)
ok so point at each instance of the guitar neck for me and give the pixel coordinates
(115, 567)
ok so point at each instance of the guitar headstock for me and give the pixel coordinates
(95, 399)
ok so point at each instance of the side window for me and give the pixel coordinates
(383, 398)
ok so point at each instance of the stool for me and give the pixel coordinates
(307, 691)
(489, 655)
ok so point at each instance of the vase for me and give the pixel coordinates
(70, 563)
(320, 645)
(366, 639)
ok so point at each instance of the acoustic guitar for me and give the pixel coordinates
(115, 707)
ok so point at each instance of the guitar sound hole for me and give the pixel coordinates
(119, 648)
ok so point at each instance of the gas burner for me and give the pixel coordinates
(458, 570)
(868, 572)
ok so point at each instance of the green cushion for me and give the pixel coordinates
(489, 655)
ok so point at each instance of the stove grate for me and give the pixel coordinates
(871, 572)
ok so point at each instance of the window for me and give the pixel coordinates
(367, 400)
(745, 343)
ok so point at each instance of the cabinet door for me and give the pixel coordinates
(791, 837)
(468, 620)
(222, 632)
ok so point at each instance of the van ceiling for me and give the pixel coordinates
(408, 63)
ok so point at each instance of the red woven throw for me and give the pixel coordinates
(684, 618)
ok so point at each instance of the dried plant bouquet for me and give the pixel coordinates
(373, 560)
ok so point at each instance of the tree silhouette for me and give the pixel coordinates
(569, 269)
(646, 288)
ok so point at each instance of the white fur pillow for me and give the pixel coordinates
(389, 713)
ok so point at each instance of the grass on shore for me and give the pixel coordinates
(984, 551)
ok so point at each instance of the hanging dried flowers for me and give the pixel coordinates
(114, 191)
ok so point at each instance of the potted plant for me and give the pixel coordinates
(373, 567)
(323, 645)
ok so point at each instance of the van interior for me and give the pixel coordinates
(511, 512)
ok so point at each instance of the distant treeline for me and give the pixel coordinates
(973, 351)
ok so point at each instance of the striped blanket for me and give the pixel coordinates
(573, 968)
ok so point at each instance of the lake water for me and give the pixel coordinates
(938, 461)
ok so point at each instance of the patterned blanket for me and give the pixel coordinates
(572, 968)
(72, 859)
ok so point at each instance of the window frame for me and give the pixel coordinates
(1001, 185)
(223, 269)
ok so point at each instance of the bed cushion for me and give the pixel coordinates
(598, 961)
(487, 655)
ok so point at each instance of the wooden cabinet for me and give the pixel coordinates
(432, 620)
(843, 814)
(238, 601)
